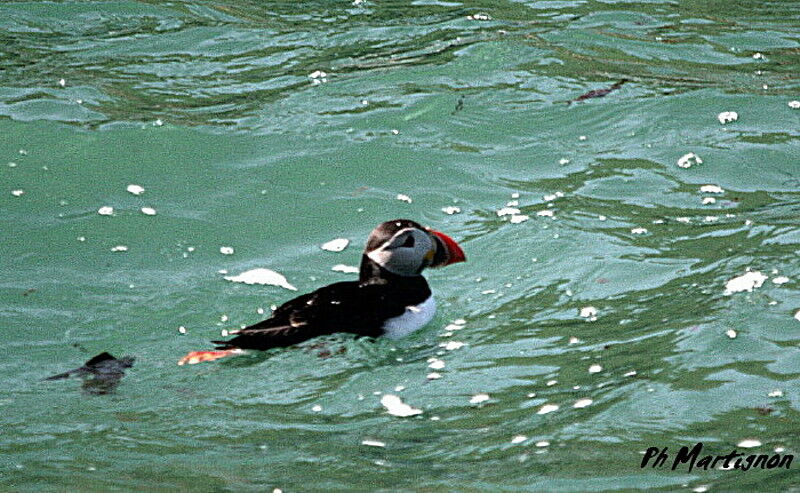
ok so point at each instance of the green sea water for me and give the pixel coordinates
(274, 127)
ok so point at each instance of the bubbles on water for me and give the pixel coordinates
(403, 198)
(119, 248)
(451, 210)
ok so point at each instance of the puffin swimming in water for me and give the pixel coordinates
(390, 298)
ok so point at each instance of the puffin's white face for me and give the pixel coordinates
(406, 253)
(405, 248)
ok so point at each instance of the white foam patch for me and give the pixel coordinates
(336, 245)
(435, 364)
(119, 248)
(795, 105)
(711, 189)
(727, 117)
(403, 198)
(546, 213)
(135, 189)
(553, 196)
(746, 282)
(452, 345)
(639, 231)
(396, 407)
(451, 210)
(373, 443)
(262, 276)
(731, 333)
(749, 443)
(589, 312)
(543, 443)
(688, 160)
(17, 193)
(518, 218)
(595, 369)
(105, 210)
(518, 439)
(547, 408)
(582, 403)
(226, 250)
(479, 398)
(780, 280)
(797, 315)
(148, 211)
(347, 269)
(508, 211)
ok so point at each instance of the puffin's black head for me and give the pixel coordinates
(405, 247)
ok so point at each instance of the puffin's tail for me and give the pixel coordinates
(195, 357)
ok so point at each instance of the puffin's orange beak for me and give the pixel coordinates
(453, 252)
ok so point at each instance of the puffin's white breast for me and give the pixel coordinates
(415, 317)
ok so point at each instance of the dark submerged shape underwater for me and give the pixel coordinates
(101, 374)
(390, 297)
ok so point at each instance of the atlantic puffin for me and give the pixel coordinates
(390, 298)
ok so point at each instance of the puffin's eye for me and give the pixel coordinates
(409, 243)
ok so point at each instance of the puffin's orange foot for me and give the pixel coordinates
(199, 356)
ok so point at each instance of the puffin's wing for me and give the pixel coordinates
(340, 307)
